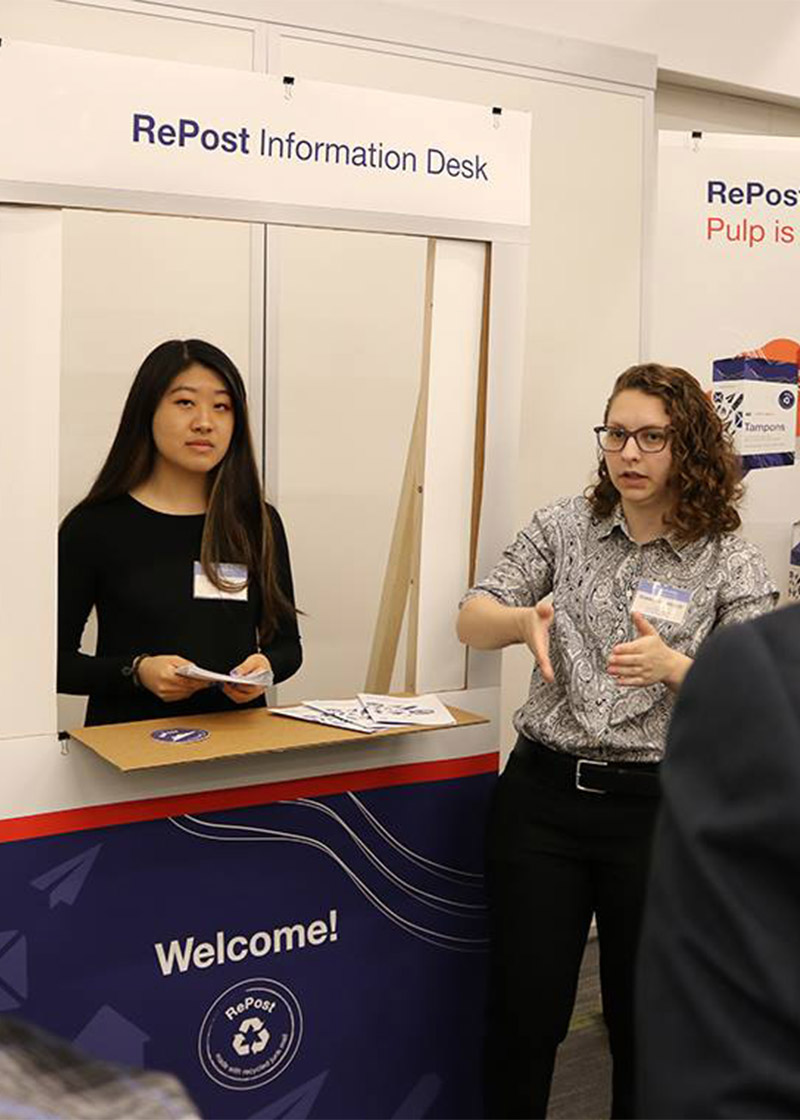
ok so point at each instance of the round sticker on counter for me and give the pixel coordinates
(179, 734)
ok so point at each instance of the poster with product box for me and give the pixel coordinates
(727, 273)
(758, 400)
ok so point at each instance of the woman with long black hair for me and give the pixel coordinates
(176, 549)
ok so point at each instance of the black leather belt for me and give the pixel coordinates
(589, 775)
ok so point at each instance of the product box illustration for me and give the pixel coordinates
(758, 399)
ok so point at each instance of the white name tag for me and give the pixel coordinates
(233, 573)
(658, 600)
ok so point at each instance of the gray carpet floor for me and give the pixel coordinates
(582, 1081)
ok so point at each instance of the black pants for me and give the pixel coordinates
(555, 857)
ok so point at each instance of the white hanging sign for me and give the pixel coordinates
(83, 118)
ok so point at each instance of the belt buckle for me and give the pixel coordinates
(589, 762)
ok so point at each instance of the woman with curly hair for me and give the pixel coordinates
(640, 570)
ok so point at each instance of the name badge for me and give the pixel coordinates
(658, 600)
(232, 573)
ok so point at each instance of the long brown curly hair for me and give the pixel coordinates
(705, 475)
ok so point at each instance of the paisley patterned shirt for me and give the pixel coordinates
(593, 568)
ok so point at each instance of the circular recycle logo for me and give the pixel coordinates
(179, 734)
(250, 1034)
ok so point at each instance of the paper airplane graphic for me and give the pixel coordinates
(67, 878)
(113, 1038)
(296, 1104)
(13, 969)
(422, 1097)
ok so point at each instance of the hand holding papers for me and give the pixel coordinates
(370, 713)
(262, 678)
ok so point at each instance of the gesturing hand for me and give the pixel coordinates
(157, 674)
(241, 693)
(535, 632)
(646, 660)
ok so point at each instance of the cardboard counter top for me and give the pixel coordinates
(168, 742)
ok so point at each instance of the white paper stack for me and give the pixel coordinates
(350, 712)
(261, 677)
(302, 711)
(427, 711)
(370, 713)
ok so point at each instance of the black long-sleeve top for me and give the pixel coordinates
(136, 566)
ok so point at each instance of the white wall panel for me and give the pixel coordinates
(499, 506)
(130, 282)
(739, 42)
(344, 375)
(684, 108)
(449, 459)
(30, 365)
(149, 33)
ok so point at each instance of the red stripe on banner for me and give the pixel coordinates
(208, 801)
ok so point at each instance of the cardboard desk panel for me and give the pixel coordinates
(131, 746)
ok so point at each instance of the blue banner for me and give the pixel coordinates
(321, 957)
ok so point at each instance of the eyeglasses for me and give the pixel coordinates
(616, 439)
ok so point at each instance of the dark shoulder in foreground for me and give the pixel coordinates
(781, 625)
(744, 676)
(737, 666)
(778, 630)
